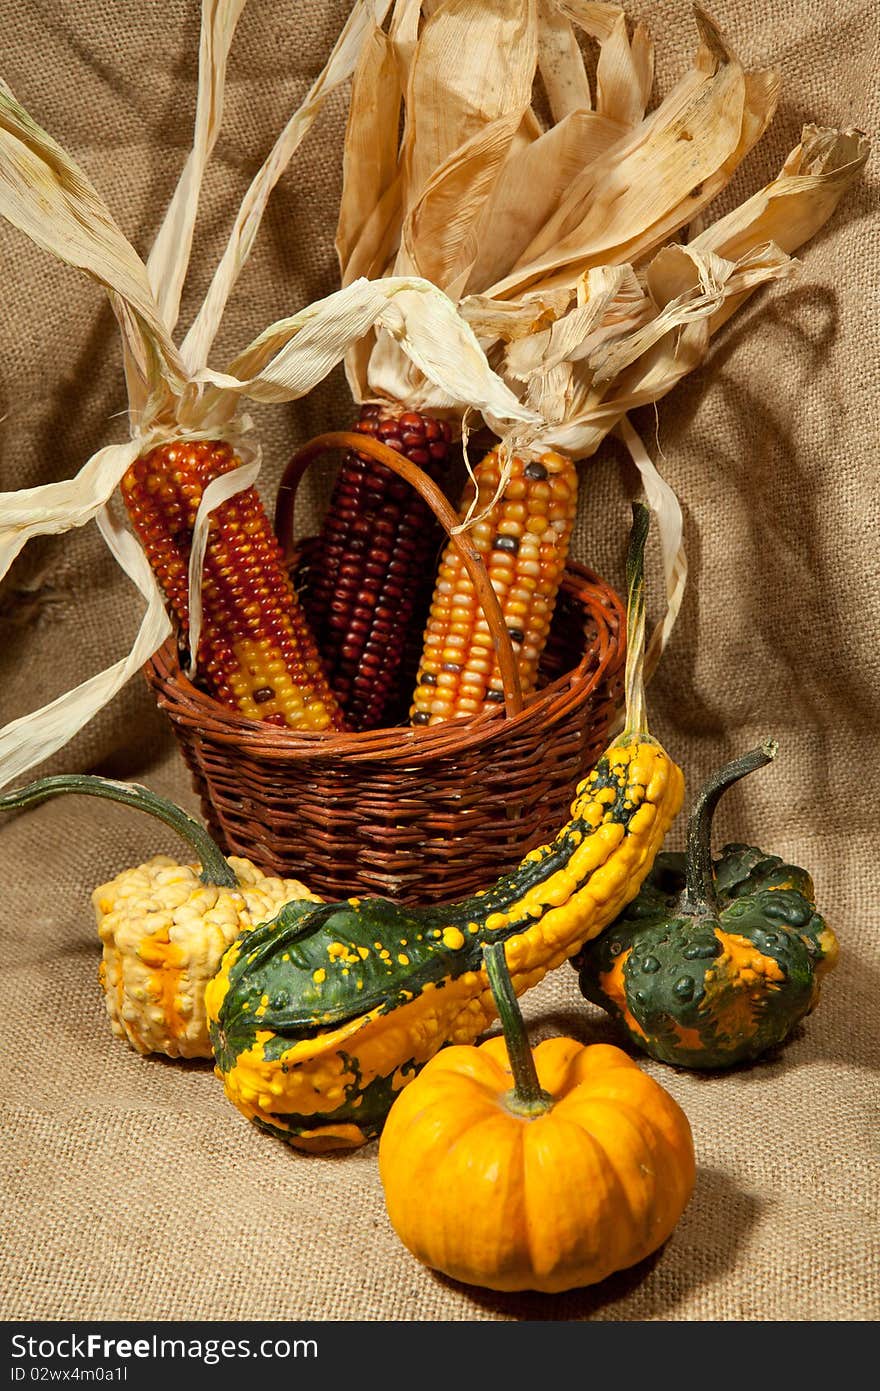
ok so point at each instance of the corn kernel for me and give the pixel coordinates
(253, 629)
(524, 539)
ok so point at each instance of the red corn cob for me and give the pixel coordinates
(375, 557)
(256, 654)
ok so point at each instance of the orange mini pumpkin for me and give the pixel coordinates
(549, 1170)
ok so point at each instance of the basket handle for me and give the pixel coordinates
(432, 495)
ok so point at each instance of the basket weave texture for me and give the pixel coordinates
(426, 814)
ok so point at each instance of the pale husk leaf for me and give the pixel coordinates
(53, 508)
(588, 191)
(291, 356)
(670, 529)
(168, 261)
(218, 491)
(625, 74)
(794, 206)
(486, 53)
(468, 84)
(369, 157)
(440, 236)
(700, 287)
(337, 70)
(47, 196)
(615, 321)
(653, 181)
(29, 740)
(458, 133)
(531, 185)
(404, 29)
(561, 63)
(593, 16)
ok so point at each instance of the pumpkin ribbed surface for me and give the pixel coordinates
(546, 1202)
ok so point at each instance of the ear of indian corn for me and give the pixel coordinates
(370, 584)
(524, 539)
(256, 654)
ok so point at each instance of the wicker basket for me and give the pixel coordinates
(427, 814)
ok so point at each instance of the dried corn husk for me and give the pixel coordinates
(172, 392)
(563, 242)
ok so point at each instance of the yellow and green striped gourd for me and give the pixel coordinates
(319, 1017)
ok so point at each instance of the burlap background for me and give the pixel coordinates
(132, 1188)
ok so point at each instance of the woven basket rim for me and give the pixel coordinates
(406, 744)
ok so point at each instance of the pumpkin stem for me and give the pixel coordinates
(634, 679)
(215, 869)
(699, 892)
(528, 1097)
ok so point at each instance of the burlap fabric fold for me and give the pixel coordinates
(131, 1188)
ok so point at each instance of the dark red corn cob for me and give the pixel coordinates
(370, 585)
(256, 654)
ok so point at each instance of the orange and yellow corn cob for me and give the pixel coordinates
(524, 539)
(375, 556)
(256, 654)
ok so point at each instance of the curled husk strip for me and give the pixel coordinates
(568, 241)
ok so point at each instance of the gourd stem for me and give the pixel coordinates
(528, 1097)
(634, 678)
(215, 868)
(699, 891)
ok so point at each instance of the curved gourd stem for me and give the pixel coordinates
(528, 1097)
(634, 679)
(215, 868)
(699, 892)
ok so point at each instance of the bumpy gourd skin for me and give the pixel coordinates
(320, 1017)
(712, 990)
(164, 932)
(165, 925)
